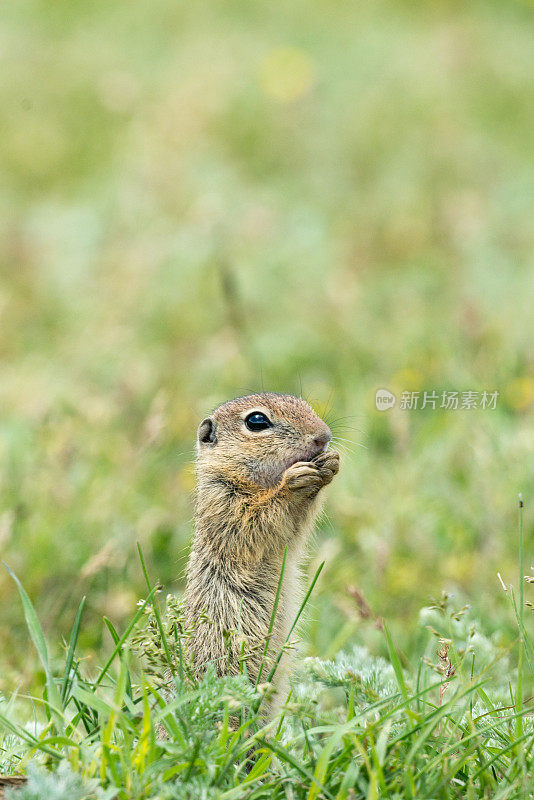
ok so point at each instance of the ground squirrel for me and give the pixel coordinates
(261, 463)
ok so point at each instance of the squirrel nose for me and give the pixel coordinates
(322, 439)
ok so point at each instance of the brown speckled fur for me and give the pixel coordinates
(257, 493)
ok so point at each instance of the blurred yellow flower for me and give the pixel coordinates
(403, 575)
(286, 73)
(520, 393)
(409, 380)
(459, 566)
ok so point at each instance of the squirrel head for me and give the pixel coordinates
(252, 440)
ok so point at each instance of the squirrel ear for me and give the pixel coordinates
(206, 431)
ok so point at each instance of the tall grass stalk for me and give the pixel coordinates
(519, 685)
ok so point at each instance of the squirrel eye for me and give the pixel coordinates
(257, 422)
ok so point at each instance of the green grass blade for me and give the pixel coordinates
(112, 630)
(67, 682)
(321, 768)
(295, 621)
(116, 638)
(349, 779)
(273, 616)
(523, 652)
(94, 701)
(38, 638)
(123, 638)
(395, 662)
(156, 611)
(285, 755)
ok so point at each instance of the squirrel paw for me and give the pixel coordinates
(328, 465)
(307, 477)
(303, 476)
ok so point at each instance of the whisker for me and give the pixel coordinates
(348, 416)
(342, 448)
(350, 441)
(300, 382)
(328, 409)
(346, 428)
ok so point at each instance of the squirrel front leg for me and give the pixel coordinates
(245, 524)
(281, 508)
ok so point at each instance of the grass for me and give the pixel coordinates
(353, 727)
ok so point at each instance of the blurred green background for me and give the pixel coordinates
(199, 200)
